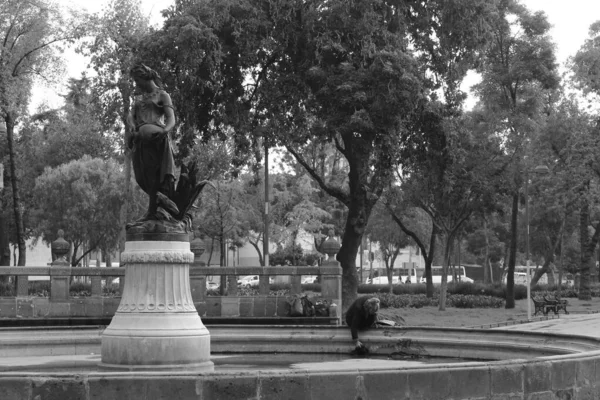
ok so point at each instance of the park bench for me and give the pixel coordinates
(557, 303)
(546, 303)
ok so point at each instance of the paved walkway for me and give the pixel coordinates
(575, 324)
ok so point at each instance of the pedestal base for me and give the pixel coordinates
(156, 326)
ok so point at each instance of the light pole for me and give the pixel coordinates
(540, 169)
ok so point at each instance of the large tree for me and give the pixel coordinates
(518, 67)
(344, 73)
(586, 67)
(31, 33)
(82, 197)
(390, 238)
(112, 50)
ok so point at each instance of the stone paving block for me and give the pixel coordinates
(505, 378)
(470, 382)
(117, 388)
(271, 306)
(41, 307)
(260, 303)
(548, 395)
(564, 374)
(537, 377)
(60, 309)
(282, 307)
(597, 370)
(169, 388)
(59, 389)
(8, 308)
(422, 387)
(110, 306)
(15, 388)
(284, 386)
(585, 393)
(384, 385)
(213, 306)
(201, 308)
(586, 372)
(230, 306)
(93, 307)
(77, 308)
(24, 308)
(247, 307)
(333, 385)
(565, 394)
(237, 387)
(507, 397)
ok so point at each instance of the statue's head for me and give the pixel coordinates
(372, 306)
(143, 72)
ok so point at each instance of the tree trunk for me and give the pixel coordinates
(222, 263)
(539, 272)
(587, 251)
(4, 236)
(358, 215)
(390, 269)
(445, 264)
(486, 263)
(212, 249)
(124, 212)
(258, 251)
(14, 180)
(429, 261)
(512, 258)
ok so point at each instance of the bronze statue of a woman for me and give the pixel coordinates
(151, 120)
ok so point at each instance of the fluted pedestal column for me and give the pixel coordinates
(156, 326)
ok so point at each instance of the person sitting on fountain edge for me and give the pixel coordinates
(362, 314)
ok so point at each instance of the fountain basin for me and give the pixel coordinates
(498, 364)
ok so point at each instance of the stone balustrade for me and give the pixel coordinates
(61, 304)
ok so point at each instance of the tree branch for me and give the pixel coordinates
(338, 193)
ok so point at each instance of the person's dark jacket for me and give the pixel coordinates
(357, 317)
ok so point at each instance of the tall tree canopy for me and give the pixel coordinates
(301, 73)
(31, 33)
(518, 68)
(82, 197)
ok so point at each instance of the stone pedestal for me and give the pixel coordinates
(156, 326)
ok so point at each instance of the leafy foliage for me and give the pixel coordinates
(82, 197)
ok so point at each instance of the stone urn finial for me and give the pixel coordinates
(330, 246)
(197, 246)
(60, 247)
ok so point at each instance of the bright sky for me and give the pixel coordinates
(570, 21)
(75, 63)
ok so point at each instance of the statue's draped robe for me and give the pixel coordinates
(153, 161)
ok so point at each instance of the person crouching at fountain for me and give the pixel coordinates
(361, 315)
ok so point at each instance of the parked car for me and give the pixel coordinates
(210, 285)
(309, 279)
(383, 280)
(248, 281)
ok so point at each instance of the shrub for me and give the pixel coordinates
(39, 288)
(453, 300)
(474, 301)
(413, 288)
(291, 255)
(405, 300)
(7, 289)
(312, 287)
(111, 290)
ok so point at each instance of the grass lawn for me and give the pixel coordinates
(475, 317)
